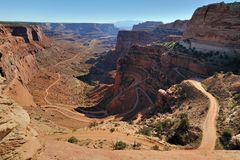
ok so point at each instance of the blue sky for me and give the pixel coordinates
(99, 10)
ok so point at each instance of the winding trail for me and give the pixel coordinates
(209, 125)
(68, 113)
(49, 87)
(62, 62)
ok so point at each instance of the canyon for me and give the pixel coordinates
(89, 90)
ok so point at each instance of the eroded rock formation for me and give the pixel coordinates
(214, 27)
(18, 46)
(17, 139)
(149, 32)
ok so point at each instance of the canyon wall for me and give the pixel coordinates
(126, 39)
(17, 48)
(215, 27)
(149, 32)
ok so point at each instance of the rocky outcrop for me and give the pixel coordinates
(126, 39)
(30, 34)
(18, 44)
(180, 25)
(145, 69)
(17, 139)
(171, 60)
(146, 26)
(149, 32)
(215, 27)
(138, 78)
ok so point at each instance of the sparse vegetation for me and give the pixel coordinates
(92, 124)
(180, 136)
(145, 131)
(136, 145)
(226, 137)
(155, 147)
(72, 140)
(112, 130)
(120, 145)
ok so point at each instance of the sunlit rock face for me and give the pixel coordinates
(18, 44)
(215, 27)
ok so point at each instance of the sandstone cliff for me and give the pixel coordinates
(149, 32)
(17, 139)
(126, 39)
(17, 48)
(214, 27)
(143, 69)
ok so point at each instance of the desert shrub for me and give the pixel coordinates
(155, 147)
(159, 127)
(92, 124)
(184, 122)
(183, 96)
(112, 130)
(226, 137)
(120, 145)
(236, 96)
(116, 125)
(232, 102)
(136, 146)
(145, 131)
(181, 135)
(73, 139)
(130, 122)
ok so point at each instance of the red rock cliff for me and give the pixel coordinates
(215, 27)
(17, 47)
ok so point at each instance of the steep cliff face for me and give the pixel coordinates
(126, 39)
(215, 27)
(144, 70)
(139, 76)
(149, 32)
(30, 34)
(17, 48)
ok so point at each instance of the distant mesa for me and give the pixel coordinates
(93, 30)
(146, 26)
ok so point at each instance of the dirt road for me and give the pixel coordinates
(209, 125)
(49, 87)
(59, 150)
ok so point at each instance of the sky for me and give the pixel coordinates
(99, 11)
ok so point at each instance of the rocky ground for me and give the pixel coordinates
(226, 88)
(18, 140)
